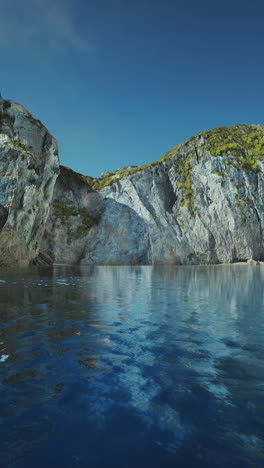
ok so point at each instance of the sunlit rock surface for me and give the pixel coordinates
(28, 170)
(200, 203)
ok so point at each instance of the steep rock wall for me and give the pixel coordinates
(201, 203)
(29, 167)
(84, 227)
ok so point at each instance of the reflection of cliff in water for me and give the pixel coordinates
(165, 338)
(203, 317)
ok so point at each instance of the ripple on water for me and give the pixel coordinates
(133, 367)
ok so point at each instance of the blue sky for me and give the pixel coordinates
(119, 82)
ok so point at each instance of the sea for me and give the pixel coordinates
(132, 367)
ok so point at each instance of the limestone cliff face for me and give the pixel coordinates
(29, 167)
(85, 227)
(202, 202)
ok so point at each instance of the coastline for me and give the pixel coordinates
(248, 263)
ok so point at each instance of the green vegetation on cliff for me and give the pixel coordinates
(238, 140)
(242, 144)
(185, 173)
(63, 210)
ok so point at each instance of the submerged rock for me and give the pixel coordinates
(28, 170)
(200, 203)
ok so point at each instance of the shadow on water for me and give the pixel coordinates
(124, 366)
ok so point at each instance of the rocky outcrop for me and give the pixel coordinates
(85, 227)
(29, 167)
(200, 203)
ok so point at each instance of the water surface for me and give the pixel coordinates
(132, 367)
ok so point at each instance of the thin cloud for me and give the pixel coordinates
(34, 21)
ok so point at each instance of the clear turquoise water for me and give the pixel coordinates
(132, 367)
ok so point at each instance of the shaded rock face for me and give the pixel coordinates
(201, 203)
(85, 228)
(3, 216)
(75, 209)
(28, 170)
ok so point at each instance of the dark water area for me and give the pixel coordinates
(132, 367)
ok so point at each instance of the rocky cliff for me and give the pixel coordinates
(86, 227)
(202, 202)
(29, 167)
